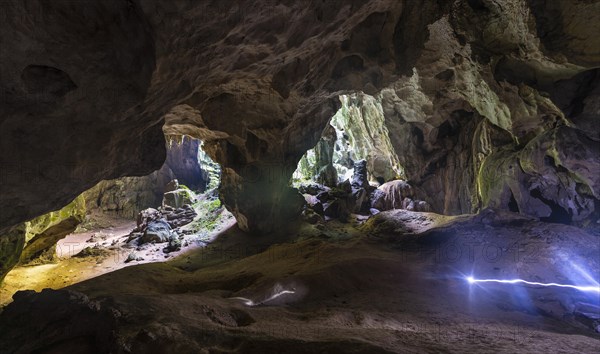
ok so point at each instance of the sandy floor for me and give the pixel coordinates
(68, 270)
(323, 289)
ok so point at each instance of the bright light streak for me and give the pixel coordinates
(249, 302)
(589, 288)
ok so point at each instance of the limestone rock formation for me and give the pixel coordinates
(127, 196)
(42, 233)
(157, 226)
(156, 232)
(395, 275)
(37, 238)
(457, 81)
(11, 246)
(178, 198)
(182, 160)
(325, 173)
(362, 123)
(91, 321)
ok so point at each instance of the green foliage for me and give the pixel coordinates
(213, 168)
(209, 212)
(214, 205)
(36, 226)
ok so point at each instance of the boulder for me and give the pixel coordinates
(422, 206)
(174, 244)
(391, 195)
(360, 200)
(178, 198)
(360, 187)
(323, 196)
(337, 209)
(318, 208)
(173, 185)
(146, 216)
(313, 188)
(180, 216)
(359, 177)
(327, 175)
(342, 187)
(157, 232)
(312, 217)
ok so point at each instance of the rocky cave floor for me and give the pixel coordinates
(393, 283)
(104, 244)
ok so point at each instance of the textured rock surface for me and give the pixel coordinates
(492, 109)
(88, 325)
(127, 196)
(42, 233)
(397, 287)
(30, 240)
(11, 246)
(71, 95)
(259, 81)
(178, 198)
(363, 123)
(325, 173)
(182, 160)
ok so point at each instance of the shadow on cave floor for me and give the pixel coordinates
(396, 283)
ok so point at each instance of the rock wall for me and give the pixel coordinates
(497, 114)
(74, 76)
(86, 87)
(182, 160)
(127, 196)
(361, 121)
(37, 238)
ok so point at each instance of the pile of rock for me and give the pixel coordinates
(358, 197)
(162, 225)
(177, 217)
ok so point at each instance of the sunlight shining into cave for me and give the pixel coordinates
(157, 195)
(356, 132)
(172, 210)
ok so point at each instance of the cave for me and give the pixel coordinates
(340, 176)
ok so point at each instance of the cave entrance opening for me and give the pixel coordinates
(356, 132)
(190, 165)
(354, 169)
(192, 186)
(125, 221)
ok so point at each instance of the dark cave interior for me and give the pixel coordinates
(277, 176)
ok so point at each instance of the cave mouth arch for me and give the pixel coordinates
(357, 131)
(353, 170)
(124, 221)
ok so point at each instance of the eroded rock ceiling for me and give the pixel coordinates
(468, 88)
